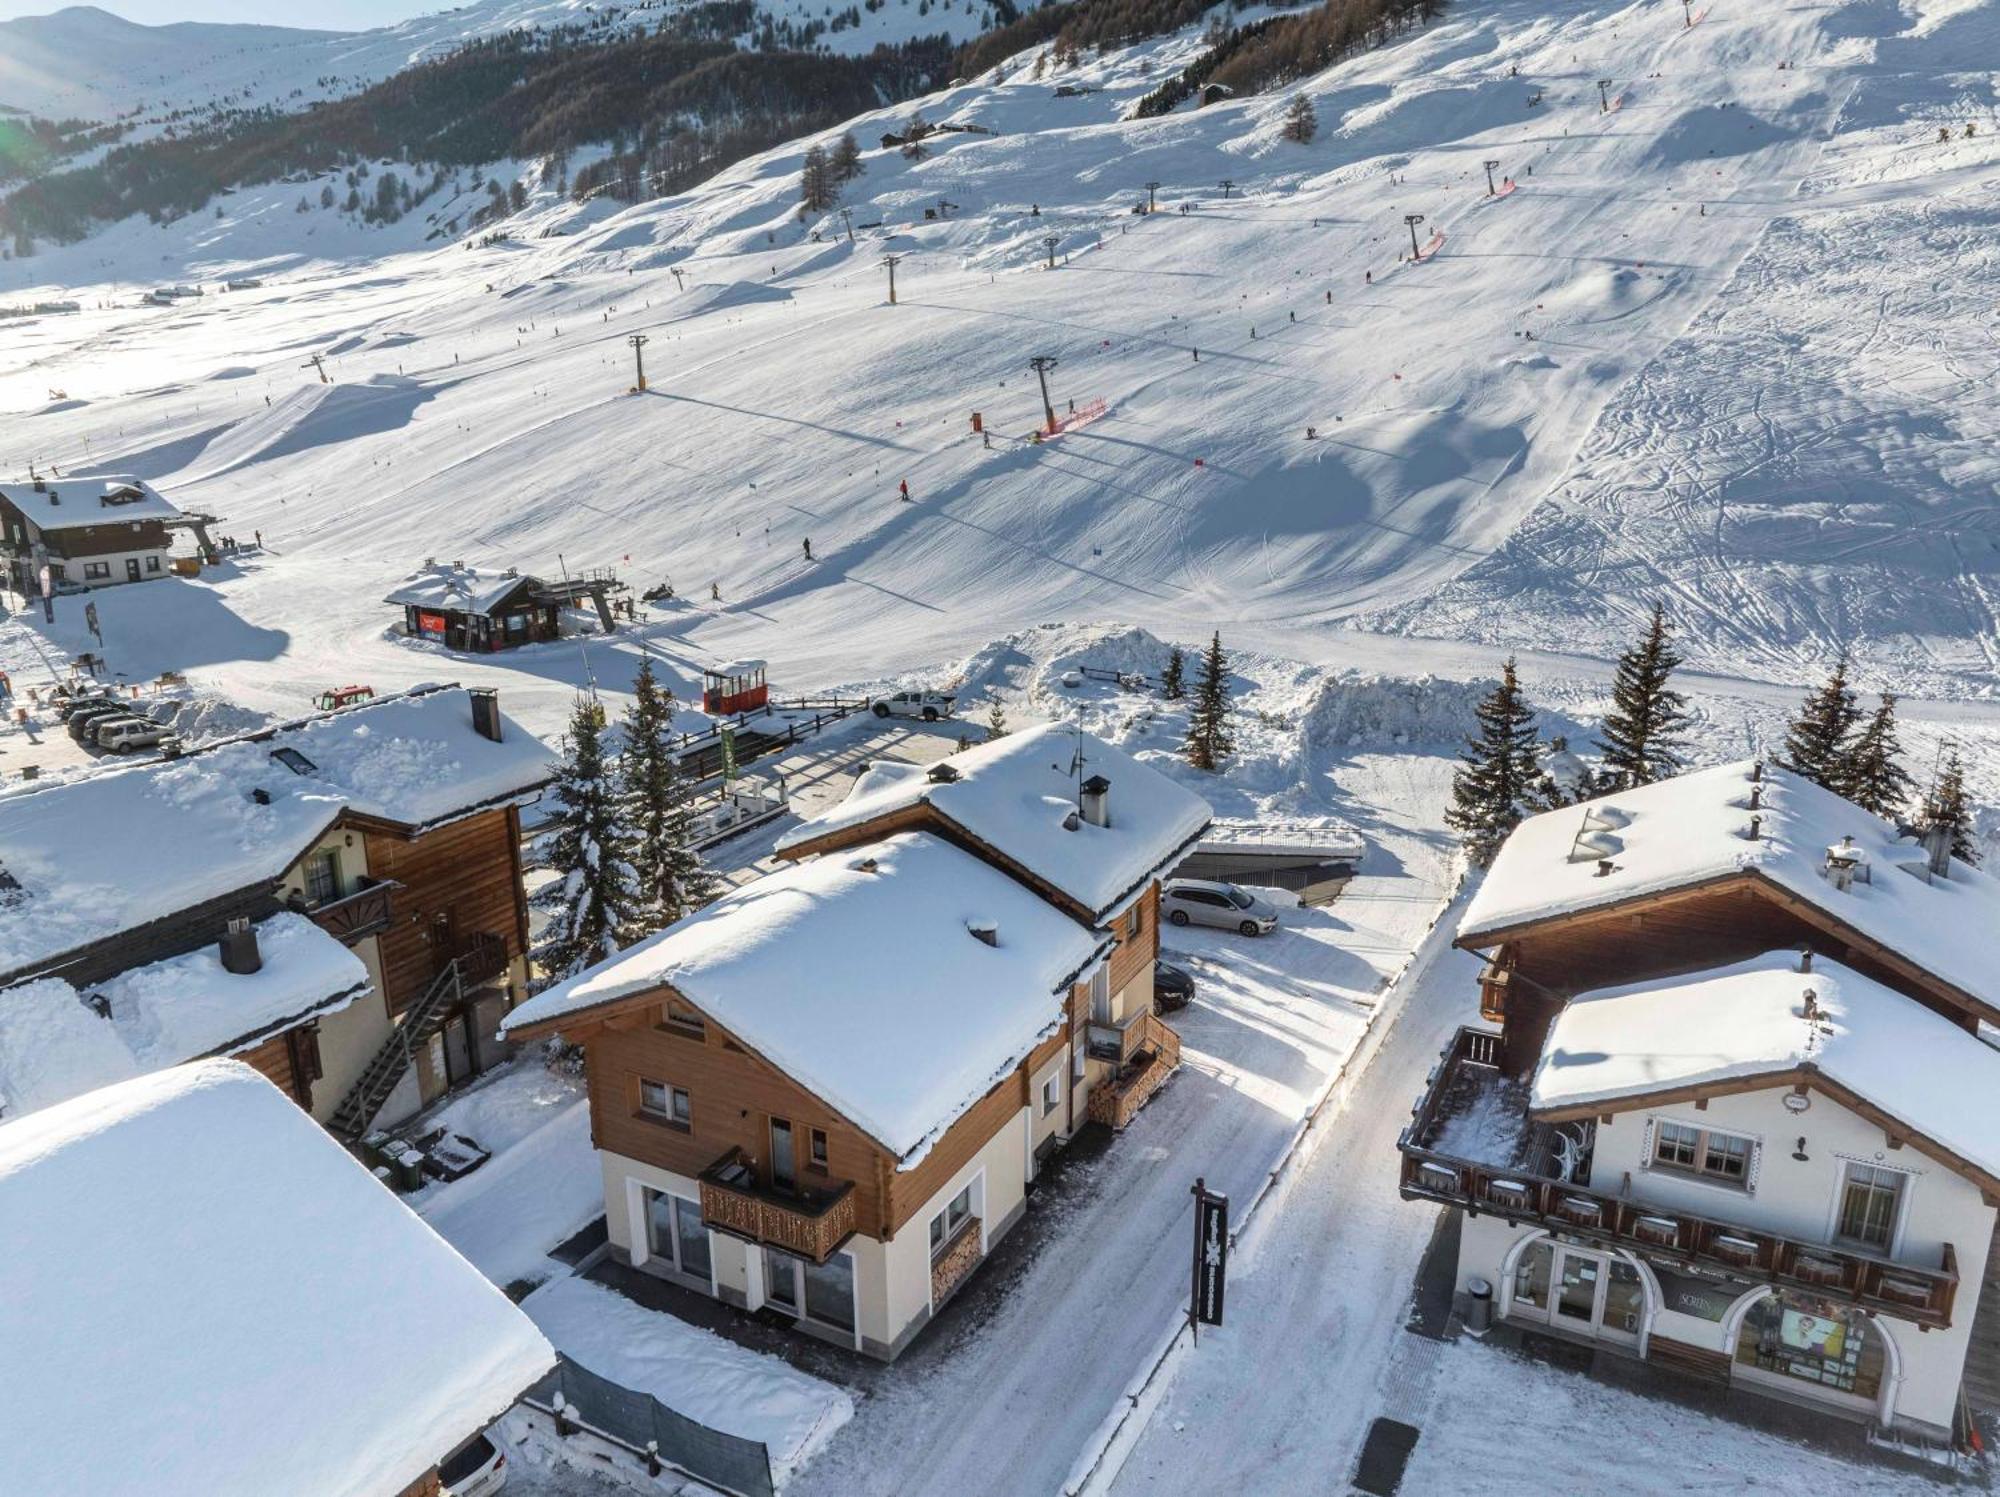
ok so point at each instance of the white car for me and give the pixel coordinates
(1200, 901)
(475, 1469)
(929, 705)
(121, 735)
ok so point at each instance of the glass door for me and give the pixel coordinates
(1579, 1283)
(1624, 1304)
(783, 1163)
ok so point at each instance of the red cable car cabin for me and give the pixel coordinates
(736, 687)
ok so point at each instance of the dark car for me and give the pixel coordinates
(1173, 988)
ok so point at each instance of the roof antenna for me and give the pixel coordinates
(1076, 763)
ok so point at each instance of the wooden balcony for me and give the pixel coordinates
(809, 1222)
(1920, 1292)
(1116, 1100)
(1117, 1042)
(955, 1263)
(359, 915)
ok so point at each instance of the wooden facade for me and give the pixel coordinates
(460, 881)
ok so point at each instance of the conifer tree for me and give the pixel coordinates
(1173, 681)
(996, 720)
(671, 879)
(1641, 742)
(1301, 123)
(846, 162)
(1947, 806)
(1816, 741)
(1870, 775)
(1501, 778)
(594, 897)
(1209, 741)
(816, 183)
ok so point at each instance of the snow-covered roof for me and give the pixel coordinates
(55, 1044)
(98, 499)
(856, 975)
(105, 852)
(1018, 796)
(287, 1324)
(456, 588)
(734, 668)
(1749, 1020)
(1284, 838)
(1694, 829)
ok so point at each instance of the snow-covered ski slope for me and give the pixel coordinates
(1760, 382)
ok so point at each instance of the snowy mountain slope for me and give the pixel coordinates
(481, 408)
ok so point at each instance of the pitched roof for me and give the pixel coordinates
(1735, 1025)
(1694, 829)
(1017, 795)
(458, 589)
(858, 976)
(111, 850)
(288, 1325)
(55, 1045)
(95, 499)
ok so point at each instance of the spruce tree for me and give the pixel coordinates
(1501, 778)
(996, 720)
(1641, 742)
(671, 878)
(1816, 741)
(1173, 681)
(1947, 806)
(846, 162)
(1301, 123)
(1870, 775)
(816, 185)
(1209, 741)
(594, 897)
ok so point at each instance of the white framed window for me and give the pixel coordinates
(1051, 1093)
(323, 876)
(665, 1103)
(1708, 1153)
(152, 563)
(676, 1234)
(1870, 1205)
(96, 571)
(947, 1223)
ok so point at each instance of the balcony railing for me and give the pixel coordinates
(1922, 1293)
(356, 916)
(1119, 1040)
(809, 1222)
(482, 956)
(1116, 1100)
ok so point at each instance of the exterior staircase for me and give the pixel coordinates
(398, 1053)
(1982, 1352)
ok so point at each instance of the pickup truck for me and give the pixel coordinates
(929, 705)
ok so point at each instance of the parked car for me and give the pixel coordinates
(1198, 901)
(929, 705)
(475, 1469)
(1173, 988)
(121, 735)
(83, 720)
(67, 707)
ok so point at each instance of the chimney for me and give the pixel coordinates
(1840, 863)
(485, 711)
(1756, 797)
(984, 930)
(41, 484)
(55, 499)
(1805, 958)
(1094, 800)
(942, 774)
(1756, 828)
(239, 948)
(1603, 868)
(1757, 771)
(1937, 851)
(1812, 1004)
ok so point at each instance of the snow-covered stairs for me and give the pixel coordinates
(365, 1098)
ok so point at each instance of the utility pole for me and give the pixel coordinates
(847, 218)
(679, 285)
(1050, 245)
(638, 342)
(1603, 98)
(1413, 219)
(892, 261)
(314, 363)
(1227, 184)
(1489, 177)
(1042, 363)
(1687, 12)
(1151, 188)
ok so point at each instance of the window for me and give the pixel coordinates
(1051, 1094)
(1136, 926)
(1076, 1060)
(96, 571)
(675, 1233)
(817, 1144)
(1870, 1198)
(666, 1104)
(1100, 995)
(1723, 1157)
(152, 563)
(323, 876)
(685, 1020)
(945, 1225)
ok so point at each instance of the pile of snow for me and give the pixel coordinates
(53, 1047)
(802, 966)
(534, 1194)
(285, 1323)
(1764, 1017)
(1356, 708)
(692, 1371)
(207, 718)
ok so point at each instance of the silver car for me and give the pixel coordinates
(1198, 901)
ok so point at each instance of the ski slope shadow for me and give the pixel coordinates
(314, 416)
(738, 410)
(169, 624)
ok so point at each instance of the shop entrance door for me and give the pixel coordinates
(1594, 1294)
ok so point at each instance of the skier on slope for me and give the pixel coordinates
(809, 548)
(903, 488)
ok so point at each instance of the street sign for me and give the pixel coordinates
(1211, 1256)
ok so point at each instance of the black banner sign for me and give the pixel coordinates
(1211, 1255)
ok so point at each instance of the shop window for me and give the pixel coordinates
(1531, 1277)
(1808, 1341)
(1870, 1200)
(666, 1104)
(1722, 1157)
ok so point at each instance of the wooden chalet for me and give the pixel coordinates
(467, 608)
(1734, 1115)
(94, 531)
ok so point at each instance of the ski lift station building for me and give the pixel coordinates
(470, 608)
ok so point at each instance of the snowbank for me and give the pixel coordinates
(530, 1197)
(692, 1371)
